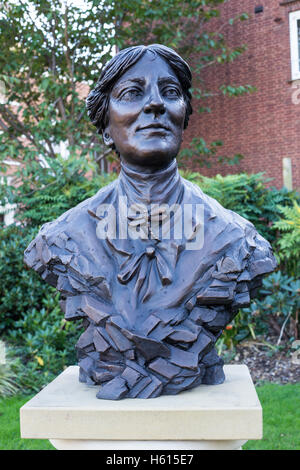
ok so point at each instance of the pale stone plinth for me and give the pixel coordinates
(68, 413)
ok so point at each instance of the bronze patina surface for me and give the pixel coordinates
(154, 267)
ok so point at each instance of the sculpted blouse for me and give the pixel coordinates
(156, 269)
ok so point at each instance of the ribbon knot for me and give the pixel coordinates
(151, 265)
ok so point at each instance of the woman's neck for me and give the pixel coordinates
(148, 185)
(146, 169)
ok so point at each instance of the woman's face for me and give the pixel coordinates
(146, 113)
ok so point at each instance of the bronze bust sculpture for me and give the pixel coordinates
(153, 267)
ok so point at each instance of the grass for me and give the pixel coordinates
(281, 417)
(10, 427)
(280, 408)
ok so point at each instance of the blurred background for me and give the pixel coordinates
(242, 147)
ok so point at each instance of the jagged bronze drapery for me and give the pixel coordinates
(152, 310)
(153, 303)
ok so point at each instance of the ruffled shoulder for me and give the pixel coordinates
(63, 252)
(245, 258)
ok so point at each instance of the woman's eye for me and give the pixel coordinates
(172, 92)
(129, 94)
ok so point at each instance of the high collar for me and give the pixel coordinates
(161, 186)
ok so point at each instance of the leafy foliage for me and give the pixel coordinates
(19, 288)
(280, 304)
(53, 53)
(202, 154)
(249, 196)
(7, 376)
(289, 239)
(276, 309)
(278, 301)
(30, 315)
(244, 325)
(44, 343)
(62, 186)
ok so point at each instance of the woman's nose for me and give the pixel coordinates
(155, 103)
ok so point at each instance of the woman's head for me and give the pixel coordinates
(98, 99)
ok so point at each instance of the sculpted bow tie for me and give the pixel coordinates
(151, 266)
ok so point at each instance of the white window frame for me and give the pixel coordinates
(8, 210)
(3, 98)
(294, 16)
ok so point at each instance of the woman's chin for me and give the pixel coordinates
(158, 158)
(149, 162)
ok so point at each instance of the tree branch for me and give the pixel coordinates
(11, 119)
(103, 155)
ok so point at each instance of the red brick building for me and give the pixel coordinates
(263, 126)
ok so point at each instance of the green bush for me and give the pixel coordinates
(20, 288)
(44, 196)
(30, 315)
(44, 344)
(243, 326)
(249, 196)
(289, 238)
(46, 193)
(275, 310)
(8, 384)
(278, 305)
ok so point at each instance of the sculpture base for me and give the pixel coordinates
(221, 416)
(82, 444)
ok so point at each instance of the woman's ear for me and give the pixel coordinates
(107, 138)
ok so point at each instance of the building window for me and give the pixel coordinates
(287, 174)
(7, 211)
(295, 44)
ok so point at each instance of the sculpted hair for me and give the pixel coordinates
(97, 101)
